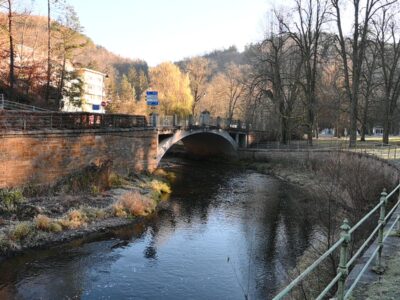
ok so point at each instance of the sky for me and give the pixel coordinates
(169, 30)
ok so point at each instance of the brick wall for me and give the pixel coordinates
(45, 157)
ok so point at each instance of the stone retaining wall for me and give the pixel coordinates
(44, 157)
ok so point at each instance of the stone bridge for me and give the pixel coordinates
(43, 147)
(204, 136)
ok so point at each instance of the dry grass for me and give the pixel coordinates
(77, 218)
(134, 204)
(119, 210)
(55, 227)
(42, 222)
(160, 186)
(170, 176)
(20, 231)
(93, 213)
(115, 180)
(74, 219)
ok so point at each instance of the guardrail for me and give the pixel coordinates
(20, 120)
(343, 242)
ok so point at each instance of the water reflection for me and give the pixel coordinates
(223, 234)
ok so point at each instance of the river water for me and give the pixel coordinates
(225, 233)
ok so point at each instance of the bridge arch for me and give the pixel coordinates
(201, 142)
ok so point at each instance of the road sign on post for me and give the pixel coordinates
(152, 98)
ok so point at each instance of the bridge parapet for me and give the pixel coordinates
(170, 123)
(27, 120)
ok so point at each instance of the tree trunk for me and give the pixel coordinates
(48, 53)
(310, 122)
(353, 122)
(11, 40)
(364, 121)
(386, 125)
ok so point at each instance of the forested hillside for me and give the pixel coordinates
(68, 46)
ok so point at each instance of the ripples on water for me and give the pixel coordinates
(223, 234)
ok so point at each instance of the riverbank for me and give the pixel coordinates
(91, 201)
(340, 186)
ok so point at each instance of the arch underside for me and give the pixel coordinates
(200, 143)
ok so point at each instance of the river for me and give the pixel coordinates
(224, 233)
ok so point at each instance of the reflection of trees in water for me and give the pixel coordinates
(194, 193)
(277, 232)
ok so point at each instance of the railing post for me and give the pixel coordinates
(342, 269)
(379, 268)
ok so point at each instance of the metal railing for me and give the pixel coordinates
(381, 150)
(345, 263)
(20, 120)
(11, 105)
(174, 121)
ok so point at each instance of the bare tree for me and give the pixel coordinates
(48, 51)
(368, 84)
(236, 88)
(388, 44)
(306, 32)
(199, 70)
(352, 52)
(11, 78)
(277, 70)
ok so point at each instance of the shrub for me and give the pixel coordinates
(42, 222)
(10, 199)
(65, 223)
(115, 180)
(55, 227)
(94, 190)
(21, 230)
(94, 179)
(93, 213)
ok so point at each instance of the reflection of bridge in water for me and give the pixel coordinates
(201, 136)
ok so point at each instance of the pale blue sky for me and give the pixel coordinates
(161, 30)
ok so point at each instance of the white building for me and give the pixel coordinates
(93, 98)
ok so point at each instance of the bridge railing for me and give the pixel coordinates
(174, 121)
(374, 148)
(342, 244)
(21, 120)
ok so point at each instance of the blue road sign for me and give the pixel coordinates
(152, 98)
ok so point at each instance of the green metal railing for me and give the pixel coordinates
(344, 261)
